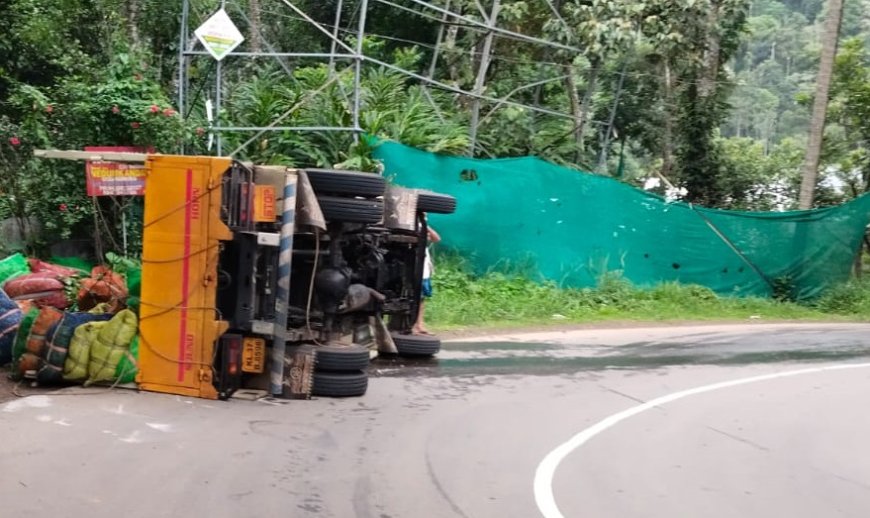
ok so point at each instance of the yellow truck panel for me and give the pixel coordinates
(181, 243)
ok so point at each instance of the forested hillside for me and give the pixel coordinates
(711, 96)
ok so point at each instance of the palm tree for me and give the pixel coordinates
(820, 104)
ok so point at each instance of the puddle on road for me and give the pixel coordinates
(550, 359)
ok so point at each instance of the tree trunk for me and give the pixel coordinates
(591, 85)
(668, 130)
(254, 10)
(133, 21)
(712, 50)
(576, 110)
(605, 148)
(580, 109)
(820, 104)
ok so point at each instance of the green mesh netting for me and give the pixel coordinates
(574, 227)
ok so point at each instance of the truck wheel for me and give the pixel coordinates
(417, 345)
(341, 358)
(350, 210)
(344, 384)
(329, 181)
(436, 203)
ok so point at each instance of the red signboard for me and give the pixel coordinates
(115, 178)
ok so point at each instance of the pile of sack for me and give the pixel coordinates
(61, 324)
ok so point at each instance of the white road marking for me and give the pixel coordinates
(543, 485)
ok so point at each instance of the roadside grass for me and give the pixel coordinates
(511, 299)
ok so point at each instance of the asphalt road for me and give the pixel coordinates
(739, 421)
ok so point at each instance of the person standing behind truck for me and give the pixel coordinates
(428, 269)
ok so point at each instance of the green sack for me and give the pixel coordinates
(75, 368)
(20, 345)
(112, 343)
(12, 267)
(77, 263)
(134, 287)
(128, 367)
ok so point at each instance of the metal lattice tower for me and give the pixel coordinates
(340, 51)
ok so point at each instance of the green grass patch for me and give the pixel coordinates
(510, 298)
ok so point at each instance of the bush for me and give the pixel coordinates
(852, 298)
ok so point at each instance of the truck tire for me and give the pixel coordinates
(417, 345)
(341, 358)
(350, 210)
(340, 384)
(436, 203)
(329, 181)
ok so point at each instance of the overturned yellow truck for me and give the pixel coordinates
(274, 280)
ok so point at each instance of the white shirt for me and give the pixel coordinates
(428, 265)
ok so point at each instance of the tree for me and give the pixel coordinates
(820, 104)
(695, 40)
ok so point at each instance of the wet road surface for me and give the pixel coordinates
(464, 435)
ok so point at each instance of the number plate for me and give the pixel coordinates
(253, 355)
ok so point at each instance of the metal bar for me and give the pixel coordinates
(282, 291)
(282, 128)
(317, 26)
(480, 81)
(445, 86)
(317, 55)
(602, 158)
(503, 32)
(556, 13)
(438, 41)
(217, 96)
(436, 50)
(335, 35)
(262, 39)
(308, 96)
(357, 73)
(94, 156)
(515, 90)
(182, 47)
(217, 103)
(479, 8)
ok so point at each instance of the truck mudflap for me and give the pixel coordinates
(299, 362)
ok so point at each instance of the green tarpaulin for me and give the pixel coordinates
(573, 227)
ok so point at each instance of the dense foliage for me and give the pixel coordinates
(711, 95)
